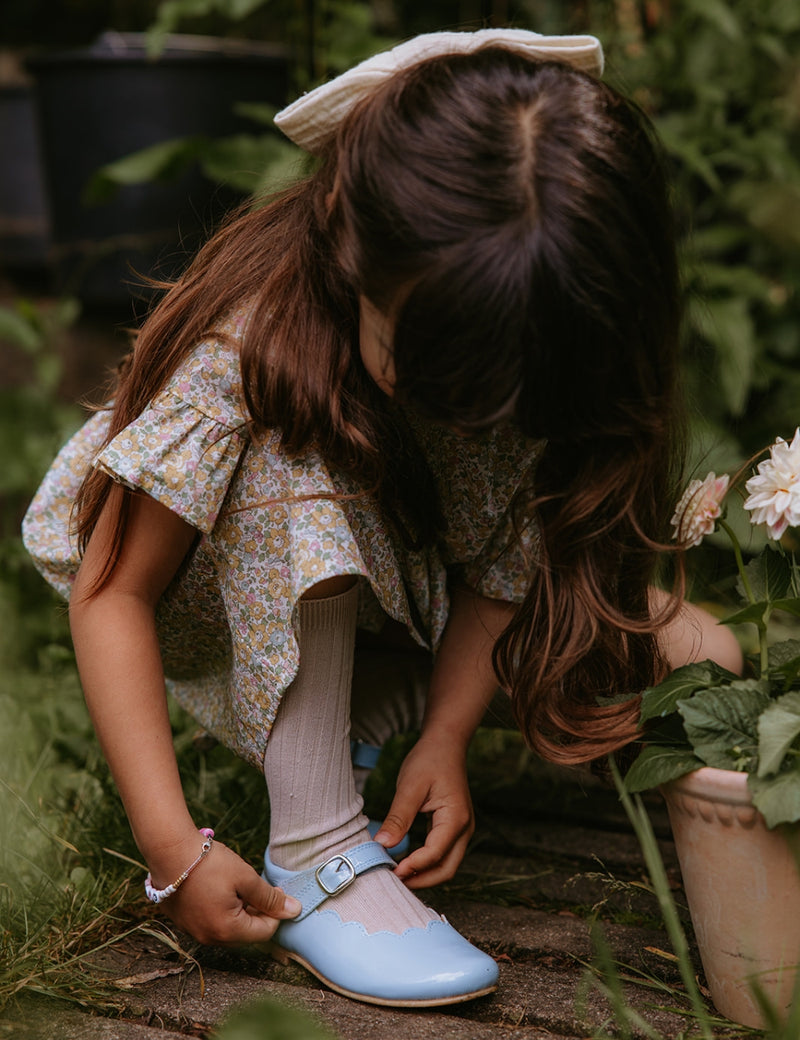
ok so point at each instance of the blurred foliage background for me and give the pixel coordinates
(721, 81)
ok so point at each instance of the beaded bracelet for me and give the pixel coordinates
(156, 895)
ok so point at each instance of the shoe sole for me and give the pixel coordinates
(283, 956)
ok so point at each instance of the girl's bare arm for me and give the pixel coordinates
(114, 633)
(433, 778)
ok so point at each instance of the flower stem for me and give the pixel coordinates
(761, 624)
(737, 552)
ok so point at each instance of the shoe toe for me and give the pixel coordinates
(421, 967)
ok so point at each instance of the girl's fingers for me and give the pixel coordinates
(228, 903)
(398, 820)
(440, 870)
(259, 897)
(439, 857)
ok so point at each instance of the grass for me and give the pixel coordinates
(66, 852)
(66, 894)
(606, 975)
(67, 888)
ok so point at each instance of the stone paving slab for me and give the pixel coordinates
(351, 1020)
(523, 894)
(46, 1021)
(542, 950)
(536, 998)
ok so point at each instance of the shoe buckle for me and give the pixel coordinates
(337, 864)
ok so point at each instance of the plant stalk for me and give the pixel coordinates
(637, 814)
(761, 624)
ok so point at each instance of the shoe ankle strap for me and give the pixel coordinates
(363, 755)
(313, 886)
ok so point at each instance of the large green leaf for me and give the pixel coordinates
(251, 162)
(259, 111)
(661, 700)
(778, 728)
(777, 797)
(754, 613)
(769, 575)
(784, 659)
(722, 723)
(726, 323)
(658, 765)
(171, 13)
(17, 330)
(740, 281)
(157, 162)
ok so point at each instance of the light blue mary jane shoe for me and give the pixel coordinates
(423, 967)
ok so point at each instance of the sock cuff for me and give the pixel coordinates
(327, 613)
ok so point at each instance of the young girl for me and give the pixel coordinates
(431, 388)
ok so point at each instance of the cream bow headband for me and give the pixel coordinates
(312, 119)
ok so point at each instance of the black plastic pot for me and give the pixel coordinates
(101, 103)
(23, 216)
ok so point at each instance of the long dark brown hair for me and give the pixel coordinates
(520, 212)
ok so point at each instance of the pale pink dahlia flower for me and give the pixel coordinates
(699, 509)
(775, 491)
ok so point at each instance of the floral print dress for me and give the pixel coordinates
(268, 529)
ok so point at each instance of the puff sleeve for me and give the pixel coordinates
(185, 446)
(182, 450)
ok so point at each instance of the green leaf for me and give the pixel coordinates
(736, 280)
(66, 312)
(658, 765)
(661, 700)
(778, 728)
(791, 606)
(784, 659)
(728, 325)
(267, 1017)
(171, 13)
(755, 613)
(777, 797)
(717, 239)
(720, 15)
(258, 111)
(16, 329)
(722, 723)
(678, 141)
(771, 207)
(769, 575)
(157, 162)
(251, 162)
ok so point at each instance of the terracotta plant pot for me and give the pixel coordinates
(742, 884)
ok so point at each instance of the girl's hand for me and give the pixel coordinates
(433, 779)
(225, 902)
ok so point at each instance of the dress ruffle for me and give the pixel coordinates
(184, 448)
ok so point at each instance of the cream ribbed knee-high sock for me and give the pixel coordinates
(314, 808)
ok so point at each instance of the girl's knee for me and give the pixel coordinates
(330, 587)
